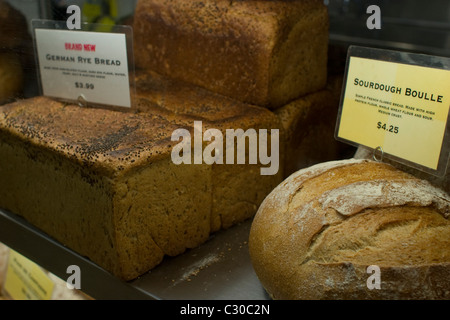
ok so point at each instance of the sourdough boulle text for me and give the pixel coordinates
(409, 92)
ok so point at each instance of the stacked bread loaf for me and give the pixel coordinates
(271, 54)
(13, 39)
(260, 52)
(238, 189)
(104, 183)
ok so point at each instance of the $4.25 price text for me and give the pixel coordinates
(387, 128)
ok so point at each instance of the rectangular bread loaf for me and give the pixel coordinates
(264, 53)
(237, 189)
(102, 183)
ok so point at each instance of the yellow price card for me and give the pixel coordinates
(25, 280)
(397, 107)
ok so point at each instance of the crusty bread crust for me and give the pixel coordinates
(260, 52)
(315, 235)
(110, 142)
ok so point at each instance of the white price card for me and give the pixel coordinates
(88, 67)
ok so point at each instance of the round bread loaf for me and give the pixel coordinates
(353, 229)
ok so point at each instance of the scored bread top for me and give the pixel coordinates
(326, 220)
(363, 189)
(103, 139)
(330, 192)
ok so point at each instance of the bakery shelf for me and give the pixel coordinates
(220, 269)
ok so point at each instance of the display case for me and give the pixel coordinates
(73, 170)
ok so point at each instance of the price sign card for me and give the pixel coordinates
(91, 68)
(25, 280)
(397, 103)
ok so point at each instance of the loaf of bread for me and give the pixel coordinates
(264, 53)
(309, 123)
(13, 27)
(17, 61)
(92, 176)
(11, 77)
(353, 229)
(102, 183)
(15, 36)
(238, 189)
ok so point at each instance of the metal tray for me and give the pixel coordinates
(220, 269)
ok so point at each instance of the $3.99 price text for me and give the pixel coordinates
(81, 85)
(388, 128)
